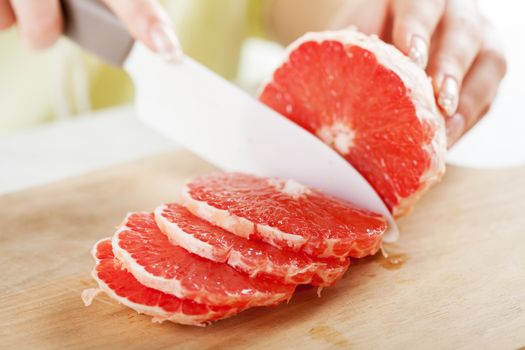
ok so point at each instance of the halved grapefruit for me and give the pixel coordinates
(284, 214)
(156, 263)
(121, 286)
(255, 258)
(370, 103)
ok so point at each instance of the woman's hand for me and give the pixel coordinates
(449, 38)
(40, 22)
(452, 41)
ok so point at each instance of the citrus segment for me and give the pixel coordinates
(156, 263)
(255, 258)
(121, 286)
(285, 214)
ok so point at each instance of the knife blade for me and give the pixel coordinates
(215, 119)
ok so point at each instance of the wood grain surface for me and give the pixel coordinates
(460, 281)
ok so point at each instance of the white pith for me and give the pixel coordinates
(338, 136)
(231, 223)
(270, 235)
(158, 313)
(276, 237)
(179, 237)
(219, 217)
(235, 258)
(174, 286)
(237, 225)
(290, 187)
(419, 89)
(329, 250)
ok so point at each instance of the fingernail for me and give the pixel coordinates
(449, 96)
(166, 43)
(455, 128)
(419, 51)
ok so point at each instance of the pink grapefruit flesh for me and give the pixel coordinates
(156, 263)
(255, 258)
(121, 286)
(371, 104)
(284, 214)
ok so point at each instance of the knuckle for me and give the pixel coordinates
(470, 24)
(496, 58)
(468, 110)
(467, 105)
(141, 11)
(424, 15)
(139, 16)
(453, 64)
(7, 20)
(485, 110)
(44, 33)
(6, 24)
(437, 6)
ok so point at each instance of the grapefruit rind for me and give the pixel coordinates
(419, 90)
(173, 286)
(158, 313)
(318, 273)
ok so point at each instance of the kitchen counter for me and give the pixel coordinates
(456, 279)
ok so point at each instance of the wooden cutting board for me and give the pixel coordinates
(462, 283)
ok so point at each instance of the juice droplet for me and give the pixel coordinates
(393, 261)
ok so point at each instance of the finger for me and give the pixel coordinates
(479, 88)
(7, 16)
(458, 44)
(368, 17)
(40, 22)
(414, 23)
(148, 22)
(455, 128)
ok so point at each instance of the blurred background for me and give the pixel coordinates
(63, 112)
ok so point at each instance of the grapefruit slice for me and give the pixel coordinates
(370, 103)
(284, 214)
(121, 286)
(156, 263)
(255, 258)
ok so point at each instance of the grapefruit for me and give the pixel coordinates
(121, 286)
(284, 214)
(255, 258)
(370, 103)
(156, 263)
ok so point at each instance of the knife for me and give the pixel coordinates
(215, 119)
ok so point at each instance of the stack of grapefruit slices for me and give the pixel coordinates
(239, 241)
(235, 242)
